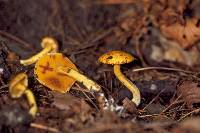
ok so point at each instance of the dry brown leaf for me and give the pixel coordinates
(116, 1)
(168, 17)
(76, 106)
(63, 101)
(190, 93)
(186, 35)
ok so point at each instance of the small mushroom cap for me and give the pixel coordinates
(116, 57)
(18, 85)
(46, 72)
(49, 41)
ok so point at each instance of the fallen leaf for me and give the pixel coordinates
(185, 34)
(63, 100)
(190, 93)
(72, 104)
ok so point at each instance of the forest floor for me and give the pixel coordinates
(162, 35)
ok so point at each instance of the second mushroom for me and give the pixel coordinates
(58, 73)
(18, 86)
(48, 44)
(118, 58)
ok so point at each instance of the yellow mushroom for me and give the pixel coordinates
(18, 87)
(58, 73)
(48, 44)
(117, 58)
(88, 83)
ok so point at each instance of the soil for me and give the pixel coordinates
(86, 29)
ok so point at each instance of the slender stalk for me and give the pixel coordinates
(32, 102)
(133, 88)
(88, 83)
(34, 58)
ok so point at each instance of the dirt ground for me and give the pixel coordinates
(163, 36)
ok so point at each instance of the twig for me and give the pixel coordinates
(194, 111)
(89, 43)
(18, 40)
(154, 99)
(163, 68)
(88, 98)
(43, 127)
(80, 89)
(150, 115)
(174, 102)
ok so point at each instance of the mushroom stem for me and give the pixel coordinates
(88, 83)
(18, 87)
(32, 102)
(34, 58)
(133, 88)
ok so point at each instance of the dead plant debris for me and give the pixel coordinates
(190, 93)
(163, 36)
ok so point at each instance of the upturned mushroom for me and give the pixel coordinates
(18, 87)
(117, 58)
(58, 73)
(88, 83)
(48, 44)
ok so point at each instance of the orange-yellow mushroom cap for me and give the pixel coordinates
(116, 57)
(49, 41)
(46, 72)
(18, 85)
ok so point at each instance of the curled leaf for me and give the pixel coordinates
(190, 93)
(185, 34)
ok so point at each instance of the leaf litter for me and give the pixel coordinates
(142, 28)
